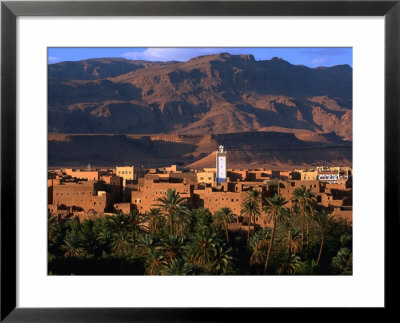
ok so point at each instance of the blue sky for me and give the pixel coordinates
(309, 56)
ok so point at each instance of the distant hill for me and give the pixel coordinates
(95, 68)
(245, 150)
(213, 94)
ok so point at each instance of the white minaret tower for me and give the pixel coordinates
(221, 165)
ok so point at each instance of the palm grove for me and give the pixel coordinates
(172, 239)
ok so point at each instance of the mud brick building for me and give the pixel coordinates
(98, 196)
(336, 197)
(231, 195)
(90, 175)
(130, 173)
(206, 177)
(149, 189)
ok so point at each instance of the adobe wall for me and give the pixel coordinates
(125, 208)
(148, 193)
(88, 175)
(332, 198)
(87, 195)
(205, 177)
(236, 175)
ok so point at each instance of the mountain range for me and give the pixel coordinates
(270, 109)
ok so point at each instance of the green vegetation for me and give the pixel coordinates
(171, 239)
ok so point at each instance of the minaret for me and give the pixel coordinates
(221, 165)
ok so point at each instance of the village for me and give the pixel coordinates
(90, 193)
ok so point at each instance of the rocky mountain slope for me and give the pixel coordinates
(268, 101)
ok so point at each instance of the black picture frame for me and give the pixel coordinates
(10, 10)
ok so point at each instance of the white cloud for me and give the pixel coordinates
(318, 61)
(53, 59)
(177, 54)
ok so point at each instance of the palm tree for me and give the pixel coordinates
(119, 222)
(171, 204)
(146, 244)
(254, 195)
(135, 224)
(155, 263)
(177, 267)
(221, 219)
(276, 211)
(259, 243)
(172, 247)
(72, 245)
(200, 218)
(342, 263)
(289, 264)
(292, 241)
(121, 242)
(105, 237)
(324, 219)
(155, 220)
(53, 228)
(182, 221)
(203, 249)
(304, 200)
(89, 238)
(223, 261)
(250, 208)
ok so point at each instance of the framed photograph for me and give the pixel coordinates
(165, 160)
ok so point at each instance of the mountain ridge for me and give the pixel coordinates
(210, 94)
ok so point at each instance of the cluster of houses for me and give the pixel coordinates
(92, 193)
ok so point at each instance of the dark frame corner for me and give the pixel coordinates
(10, 10)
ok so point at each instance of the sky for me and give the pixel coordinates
(308, 56)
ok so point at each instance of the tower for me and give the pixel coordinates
(221, 165)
